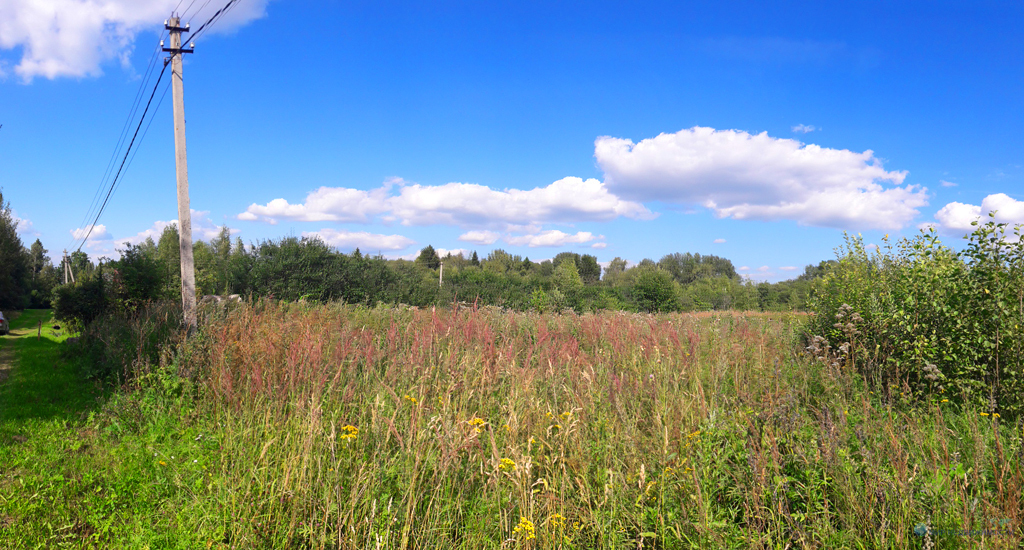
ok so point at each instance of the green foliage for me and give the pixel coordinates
(137, 279)
(15, 270)
(655, 291)
(428, 258)
(82, 302)
(932, 319)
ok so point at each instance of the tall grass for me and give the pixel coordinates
(348, 427)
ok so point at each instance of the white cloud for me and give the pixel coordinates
(442, 252)
(743, 176)
(945, 183)
(551, 237)
(743, 268)
(339, 204)
(480, 237)
(718, 241)
(787, 268)
(462, 204)
(98, 233)
(764, 269)
(75, 37)
(804, 128)
(599, 246)
(369, 242)
(466, 204)
(24, 228)
(956, 217)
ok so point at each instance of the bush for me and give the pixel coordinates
(926, 318)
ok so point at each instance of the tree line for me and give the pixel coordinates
(293, 268)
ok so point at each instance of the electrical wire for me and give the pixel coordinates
(121, 138)
(121, 168)
(210, 20)
(190, 4)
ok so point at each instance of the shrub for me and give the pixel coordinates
(929, 318)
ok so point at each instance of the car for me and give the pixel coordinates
(5, 326)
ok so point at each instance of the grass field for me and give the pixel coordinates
(295, 426)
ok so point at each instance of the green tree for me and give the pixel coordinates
(428, 258)
(38, 258)
(590, 270)
(137, 279)
(655, 290)
(168, 254)
(569, 284)
(14, 262)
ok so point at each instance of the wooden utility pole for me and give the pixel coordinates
(188, 274)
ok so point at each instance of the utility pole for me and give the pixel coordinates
(68, 272)
(440, 278)
(188, 274)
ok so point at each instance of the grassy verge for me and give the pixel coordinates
(338, 427)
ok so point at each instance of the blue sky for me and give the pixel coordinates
(754, 131)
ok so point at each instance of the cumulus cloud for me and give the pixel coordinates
(24, 227)
(803, 128)
(350, 240)
(788, 268)
(480, 237)
(743, 176)
(956, 217)
(338, 204)
(552, 237)
(203, 229)
(599, 246)
(463, 204)
(718, 241)
(945, 183)
(75, 37)
(98, 233)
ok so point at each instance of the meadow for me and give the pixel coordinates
(293, 425)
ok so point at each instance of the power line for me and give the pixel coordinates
(121, 168)
(121, 138)
(146, 131)
(210, 20)
(190, 4)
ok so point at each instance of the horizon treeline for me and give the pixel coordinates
(292, 268)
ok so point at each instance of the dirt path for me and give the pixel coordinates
(7, 344)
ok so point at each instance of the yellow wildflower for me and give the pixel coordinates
(525, 529)
(984, 414)
(507, 465)
(944, 401)
(557, 521)
(411, 399)
(162, 463)
(349, 432)
(478, 424)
